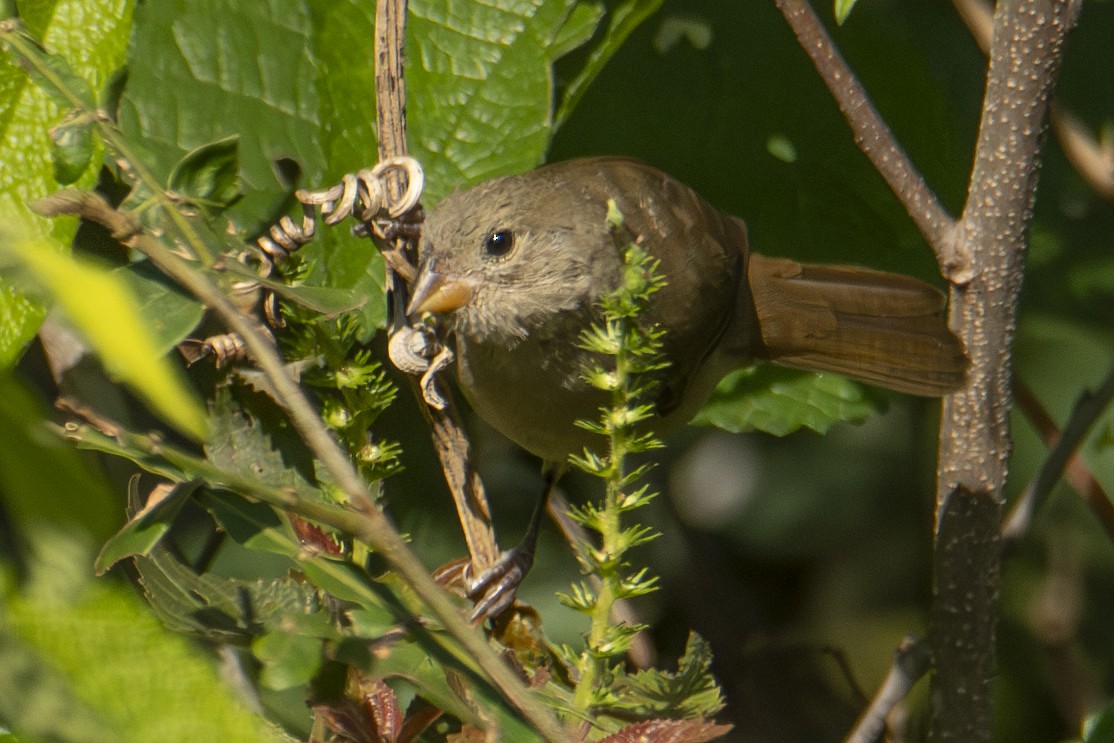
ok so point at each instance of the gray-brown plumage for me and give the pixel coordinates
(515, 266)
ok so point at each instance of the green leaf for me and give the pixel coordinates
(257, 526)
(207, 70)
(99, 304)
(347, 100)
(40, 701)
(327, 300)
(51, 72)
(171, 314)
(92, 36)
(577, 29)
(144, 531)
(1099, 728)
(35, 463)
(209, 175)
(842, 9)
(780, 401)
(72, 147)
(221, 609)
(241, 444)
(478, 81)
(99, 649)
(289, 658)
(689, 692)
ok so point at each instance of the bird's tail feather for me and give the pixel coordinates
(881, 328)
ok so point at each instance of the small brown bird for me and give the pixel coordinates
(516, 265)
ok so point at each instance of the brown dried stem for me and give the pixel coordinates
(450, 442)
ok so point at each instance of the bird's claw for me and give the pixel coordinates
(495, 588)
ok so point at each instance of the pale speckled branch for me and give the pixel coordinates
(974, 435)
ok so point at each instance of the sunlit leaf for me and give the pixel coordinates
(475, 82)
(842, 9)
(108, 316)
(97, 648)
(91, 36)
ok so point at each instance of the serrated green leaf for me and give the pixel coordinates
(92, 36)
(780, 401)
(242, 445)
(691, 691)
(209, 176)
(210, 69)
(478, 80)
(222, 609)
(99, 304)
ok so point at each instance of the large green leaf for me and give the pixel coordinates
(780, 401)
(480, 87)
(91, 36)
(34, 463)
(204, 70)
(99, 667)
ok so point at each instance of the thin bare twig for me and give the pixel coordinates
(1062, 458)
(876, 140)
(912, 659)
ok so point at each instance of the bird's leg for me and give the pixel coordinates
(495, 588)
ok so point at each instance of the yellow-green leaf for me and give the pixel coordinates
(106, 313)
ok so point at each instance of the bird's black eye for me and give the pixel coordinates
(499, 243)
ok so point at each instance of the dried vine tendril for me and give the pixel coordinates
(363, 195)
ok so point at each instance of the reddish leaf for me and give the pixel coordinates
(382, 704)
(669, 731)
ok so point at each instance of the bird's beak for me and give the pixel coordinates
(434, 292)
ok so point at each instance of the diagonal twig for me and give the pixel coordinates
(1062, 457)
(876, 140)
(912, 660)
